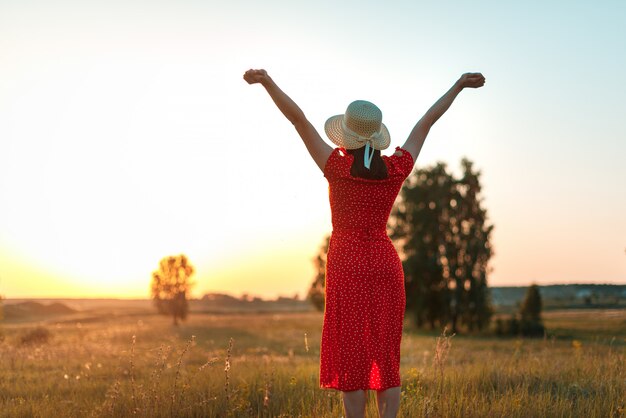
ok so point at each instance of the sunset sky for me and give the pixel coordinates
(127, 133)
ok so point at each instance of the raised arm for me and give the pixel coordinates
(418, 135)
(319, 150)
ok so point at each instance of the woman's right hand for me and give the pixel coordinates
(472, 80)
(256, 76)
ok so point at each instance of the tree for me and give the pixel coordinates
(1, 318)
(532, 305)
(442, 233)
(317, 293)
(170, 285)
(531, 324)
(527, 321)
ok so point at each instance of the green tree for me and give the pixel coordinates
(442, 233)
(532, 305)
(316, 294)
(531, 324)
(416, 225)
(527, 321)
(472, 249)
(171, 284)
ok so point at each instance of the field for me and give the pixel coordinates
(266, 365)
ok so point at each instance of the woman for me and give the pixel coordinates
(365, 299)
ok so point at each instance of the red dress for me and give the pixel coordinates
(365, 297)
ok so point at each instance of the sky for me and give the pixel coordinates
(128, 134)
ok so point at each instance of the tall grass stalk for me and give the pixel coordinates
(132, 375)
(442, 349)
(155, 376)
(227, 371)
(177, 376)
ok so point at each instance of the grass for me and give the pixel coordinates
(263, 365)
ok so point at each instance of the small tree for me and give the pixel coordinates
(170, 286)
(527, 321)
(317, 292)
(1, 318)
(531, 306)
(530, 311)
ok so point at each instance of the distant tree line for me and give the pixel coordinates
(443, 236)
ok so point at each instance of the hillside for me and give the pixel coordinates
(19, 310)
(30, 309)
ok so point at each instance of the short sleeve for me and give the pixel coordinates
(336, 163)
(401, 164)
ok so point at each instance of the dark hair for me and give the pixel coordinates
(377, 170)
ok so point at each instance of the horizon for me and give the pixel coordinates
(301, 298)
(128, 134)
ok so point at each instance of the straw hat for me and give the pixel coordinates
(361, 125)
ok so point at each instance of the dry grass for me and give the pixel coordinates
(38, 335)
(260, 365)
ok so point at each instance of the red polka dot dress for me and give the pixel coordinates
(365, 297)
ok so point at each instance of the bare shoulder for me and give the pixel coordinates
(398, 153)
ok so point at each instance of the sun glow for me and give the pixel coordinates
(127, 134)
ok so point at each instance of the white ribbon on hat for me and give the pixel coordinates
(369, 148)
